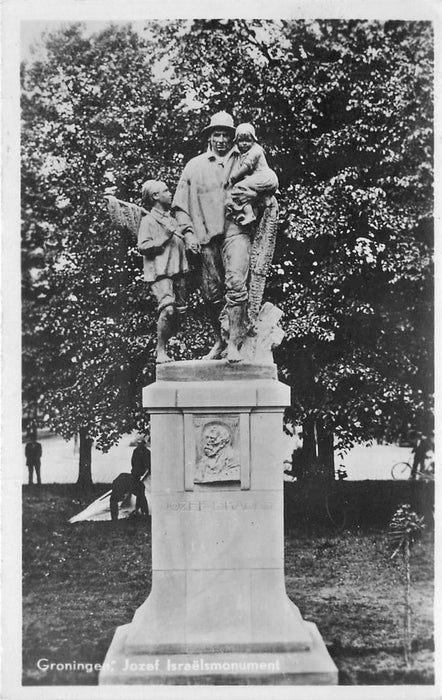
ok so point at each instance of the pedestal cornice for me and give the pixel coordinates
(217, 384)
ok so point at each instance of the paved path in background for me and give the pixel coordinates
(60, 460)
(373, 461)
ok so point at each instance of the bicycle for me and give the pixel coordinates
(402, 470)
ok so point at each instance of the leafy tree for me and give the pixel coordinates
(88, 321)
(343, 109)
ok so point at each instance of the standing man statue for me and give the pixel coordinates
(199, 207)
(233, 269)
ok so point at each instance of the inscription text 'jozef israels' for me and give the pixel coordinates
(218, 505)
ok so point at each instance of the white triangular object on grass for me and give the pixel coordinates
(100, 508)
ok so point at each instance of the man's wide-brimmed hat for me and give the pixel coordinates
(220, 120)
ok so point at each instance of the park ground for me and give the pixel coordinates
(82, 581)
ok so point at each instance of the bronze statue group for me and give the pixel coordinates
(221, 196)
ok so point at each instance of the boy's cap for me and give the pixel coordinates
(245, 128)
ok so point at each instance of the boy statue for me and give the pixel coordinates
(165, 262)
(164, 251)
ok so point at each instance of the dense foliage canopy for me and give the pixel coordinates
(344, 112)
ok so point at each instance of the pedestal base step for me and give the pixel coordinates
(312, 667)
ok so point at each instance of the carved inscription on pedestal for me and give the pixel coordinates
(202, 506)
(217, 449)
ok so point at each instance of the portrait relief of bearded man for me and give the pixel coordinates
(218, 461)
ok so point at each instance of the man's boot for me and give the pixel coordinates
(237, 331)
(214, 311)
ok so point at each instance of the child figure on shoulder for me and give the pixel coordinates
(251, 180)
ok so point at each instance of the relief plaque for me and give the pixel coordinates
(217, 454)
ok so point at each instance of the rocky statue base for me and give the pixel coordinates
(218, 611)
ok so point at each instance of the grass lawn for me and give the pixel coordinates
(82, 581)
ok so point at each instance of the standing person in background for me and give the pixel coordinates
(125, 484)
(33, 452)
(423, 450)
(429, 454)
(140, 464)
(419, 450)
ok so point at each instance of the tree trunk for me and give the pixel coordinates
(326, 452)
(84, 481)
(317, 451)
(407, 616)
(308, 454)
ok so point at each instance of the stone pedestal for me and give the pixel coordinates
(218, 610)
